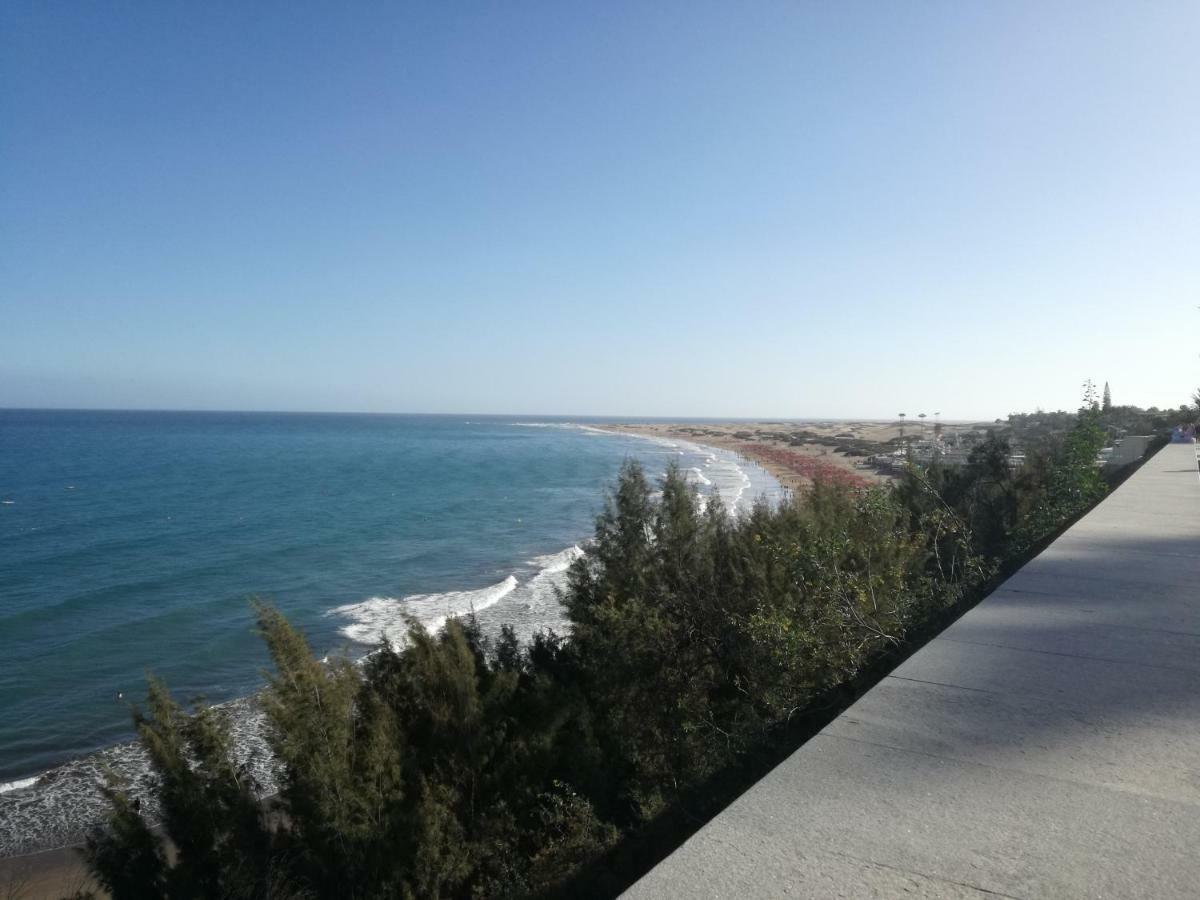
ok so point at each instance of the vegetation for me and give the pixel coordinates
(461, 765)
(1034, 429)
(1007, 508)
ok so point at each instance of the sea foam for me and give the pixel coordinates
(58, 807)
(722, 474)
(382, 619)
(19, 784)
(530, 604)
(552, 563)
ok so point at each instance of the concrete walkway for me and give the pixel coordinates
(1045, 745)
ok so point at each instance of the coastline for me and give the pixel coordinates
(62, 871)
(794, 466)
(756, 475)
(48, 811)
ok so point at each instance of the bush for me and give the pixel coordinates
(465, 766)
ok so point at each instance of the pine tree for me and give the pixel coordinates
(207, 807)
(461, 766)
(1107, 404)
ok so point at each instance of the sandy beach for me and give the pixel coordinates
(795, 453)
(49, 874)
(799, 452)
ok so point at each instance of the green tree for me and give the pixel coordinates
(463, 766)
(220, 840)
(340, 750)
(985, 494)
(1070, 481)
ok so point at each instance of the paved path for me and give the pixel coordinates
(1045, 745)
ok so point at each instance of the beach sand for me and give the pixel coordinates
(50, 874)
(771, 445)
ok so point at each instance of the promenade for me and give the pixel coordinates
(1045, 745)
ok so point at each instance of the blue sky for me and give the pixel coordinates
(734, 209)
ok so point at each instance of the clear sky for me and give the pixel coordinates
(727, 209)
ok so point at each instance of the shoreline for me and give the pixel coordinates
(50, 810)
(794, 467)
(69, 782)
(716, 449)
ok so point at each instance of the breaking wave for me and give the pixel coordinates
(381, 619)
(528, 601)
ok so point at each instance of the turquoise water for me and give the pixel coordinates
(131, 541)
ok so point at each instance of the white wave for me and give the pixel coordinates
(731, 482)
(535, 606)
(540, 593)
(730, 476)
(58, 808)
(386, 618)
(552, 563)
(19, 784)
(568, 426)
(725, 476)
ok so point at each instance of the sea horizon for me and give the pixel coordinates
(606, 418)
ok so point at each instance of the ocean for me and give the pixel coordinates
(132, 542)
